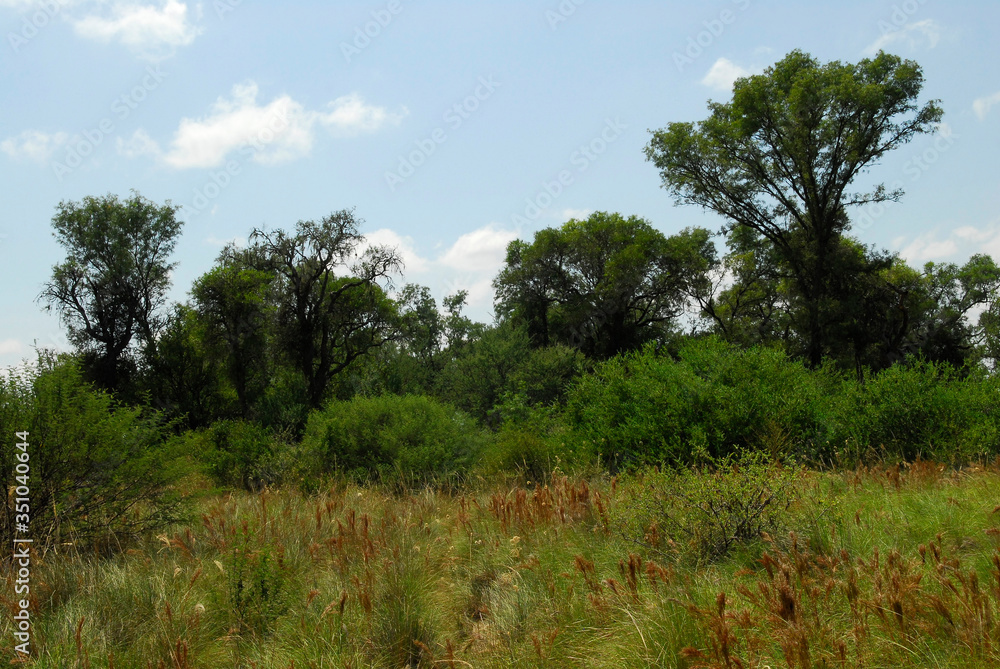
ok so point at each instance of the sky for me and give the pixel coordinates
(451, 128)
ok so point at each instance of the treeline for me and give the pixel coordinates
(614, 345)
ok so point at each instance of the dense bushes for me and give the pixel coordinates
(647, 408)
(412, 435)
(923, 410)
(99, 472)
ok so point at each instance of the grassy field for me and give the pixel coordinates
(894, 567)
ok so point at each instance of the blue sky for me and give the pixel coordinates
(450, 127)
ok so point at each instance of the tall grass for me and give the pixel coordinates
(892, 566)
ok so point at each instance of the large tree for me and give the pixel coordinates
(326, 320)
(235, 301)
(604, 285)
(781, 157)
(113, 283)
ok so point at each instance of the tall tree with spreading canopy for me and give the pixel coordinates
(326, 321)
(603, 285)
(110, 289)
(780, 159)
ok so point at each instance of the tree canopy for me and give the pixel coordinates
(780, 159)
(603, 284)
(110, 288)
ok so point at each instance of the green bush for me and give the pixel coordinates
(100, 473)
(532, 443)
(919, 410)
(647, 408)
(707, 511)
(414, 436)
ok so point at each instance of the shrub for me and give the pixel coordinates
(413, 435)
(710, 509)
(256, 583)
(99, 472)
(646, 408)
(919, 410)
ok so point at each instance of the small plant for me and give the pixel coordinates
(256, 582)
(729, 501)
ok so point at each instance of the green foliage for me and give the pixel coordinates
(114, 279)
(920, 410)
(605, 285)
(100, 473)
(256, 580)
(324, 321)
(476, 381)
(414, 436)
(709, 510)
(239, 454)
(234, 302)
(649, 408)
(780, 159)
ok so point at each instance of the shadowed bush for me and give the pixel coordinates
(100, 473)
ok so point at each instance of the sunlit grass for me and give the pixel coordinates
(883, 568)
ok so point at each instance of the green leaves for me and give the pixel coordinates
(778, 159)
(604, 285)
(111, 286)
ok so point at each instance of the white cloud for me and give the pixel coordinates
(405, 246)
(470, 263)
(982, 105)
(723, 73)
(349, 115)
(140, 144)
(956, 245)
(913, 35)
(578, 214)
(152, 32)
(279, 131)
(12, 347)
(480, 250)
(33, 145)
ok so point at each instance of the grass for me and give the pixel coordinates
(882, 567)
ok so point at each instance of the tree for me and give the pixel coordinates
(603, 285)
(114, 280)
(780, 157)
(325, 322)
(234, 300)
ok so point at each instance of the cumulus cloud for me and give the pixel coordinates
(470, 263)
(723, 73)
(479, 249)
(33, 145)
(151, 31)
(913, 35)
(952, 246)
(982, 105)
(276, 132)
(12, 347)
